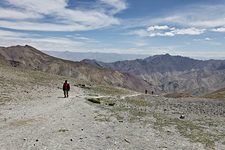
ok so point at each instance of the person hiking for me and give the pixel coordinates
(66, 88)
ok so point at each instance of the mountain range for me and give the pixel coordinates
(173, 74)
(31, 58)
(159, 73)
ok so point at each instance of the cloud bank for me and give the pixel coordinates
(190, 20)
(166, 31)
(55, 15)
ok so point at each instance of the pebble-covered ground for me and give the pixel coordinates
(34, 115)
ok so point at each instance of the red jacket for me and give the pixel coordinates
(66, 87)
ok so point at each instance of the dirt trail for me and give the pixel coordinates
(54, 122)
(44, 124)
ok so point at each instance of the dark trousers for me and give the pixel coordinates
(66, 93)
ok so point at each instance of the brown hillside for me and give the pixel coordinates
(31, 58)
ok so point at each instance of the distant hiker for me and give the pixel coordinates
(66, 88)
(146, 91)
(152, 92)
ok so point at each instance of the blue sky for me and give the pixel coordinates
(194, 28)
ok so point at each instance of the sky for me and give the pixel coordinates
(194, 28)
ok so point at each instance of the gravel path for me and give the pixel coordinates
(50, 121)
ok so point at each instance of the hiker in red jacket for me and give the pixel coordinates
(66, 88)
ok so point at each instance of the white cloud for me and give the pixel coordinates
(211, 23)
(40, 42)
(208, 39)
(188, 20)
(156, 30)
(221, 29)
(32, 15)
(23, 25)
(140, 32)
(153, 28)
(203, 39)
(188, 31)
(14, 14)
(4, 34)
(94, 21)
(118, 5)
(203, 16)
(44, 43)
(39, 6)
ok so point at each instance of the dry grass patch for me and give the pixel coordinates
(109, 90)
(194, 132)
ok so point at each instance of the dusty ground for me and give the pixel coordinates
(34, 115)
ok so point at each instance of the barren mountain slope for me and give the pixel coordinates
(172, 74)
(29, 57)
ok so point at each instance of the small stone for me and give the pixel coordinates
(111, 104)
(182, 117)
(82, 129)
(71, 139)
(126, 141)
(36, 140)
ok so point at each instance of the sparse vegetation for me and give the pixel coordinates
(122, 109)
(194, 132)
(137, 101)
(135, 115)
(133, 109)
(63, 130)
(220, 94)
(177, 95)
(102, 118)
(109, 90)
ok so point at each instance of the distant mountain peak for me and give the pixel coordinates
(28, 46)
(167, 55)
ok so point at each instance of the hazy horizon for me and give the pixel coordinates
(188, 28)
(138, 56)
